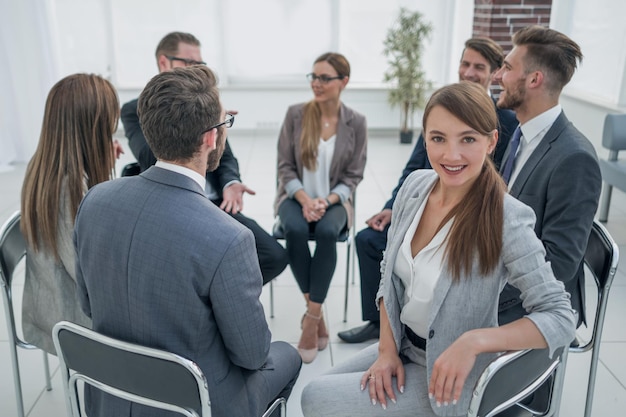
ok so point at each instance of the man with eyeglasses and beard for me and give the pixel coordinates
(223, 185)
(168, 269)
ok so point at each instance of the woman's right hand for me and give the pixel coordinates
(379, 378)
(313, 210)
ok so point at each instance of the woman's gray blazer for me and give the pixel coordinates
(473, 301)
(50, 285)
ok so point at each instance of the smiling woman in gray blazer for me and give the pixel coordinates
(456, 239)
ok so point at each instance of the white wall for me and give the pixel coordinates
(261, 61)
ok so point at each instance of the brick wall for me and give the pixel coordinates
(499, 19)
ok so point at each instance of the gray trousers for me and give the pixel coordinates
(337, 393)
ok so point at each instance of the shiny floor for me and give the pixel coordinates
(386, 158)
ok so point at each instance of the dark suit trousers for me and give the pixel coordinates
(370, 245)
(272, 256)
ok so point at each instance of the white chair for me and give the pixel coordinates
(143, 375)
(12, 250)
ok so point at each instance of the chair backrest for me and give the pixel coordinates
(131, 169)
(12, 250)
(135, 373)
(602, 258)
(12, 247)
(614, 132)
(510, 378)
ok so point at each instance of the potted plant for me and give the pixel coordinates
(403, 48)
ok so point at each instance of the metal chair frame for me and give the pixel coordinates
(12, 250)
(143, 375)
(601, 258)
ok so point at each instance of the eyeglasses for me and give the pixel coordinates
(324, 79)
(186, 61)
(230, 119)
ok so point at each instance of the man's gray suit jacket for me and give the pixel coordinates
(158, 264)
(561, 182)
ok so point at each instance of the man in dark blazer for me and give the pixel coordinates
(481, 58)
(168, 269)
(555, 168)
(224, 187)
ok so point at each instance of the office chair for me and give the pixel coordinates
(12, 250)
(143, 375)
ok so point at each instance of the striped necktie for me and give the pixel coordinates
(510, 161)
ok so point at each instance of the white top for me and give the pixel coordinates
(533, 131)
(184, 171)
(317, 183)
(420, 275)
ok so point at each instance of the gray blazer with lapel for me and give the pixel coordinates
(348, 161)
(561, 182)
(471, 303)
(160, 265)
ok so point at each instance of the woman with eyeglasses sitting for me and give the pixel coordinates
(321, 157)
(76, 151)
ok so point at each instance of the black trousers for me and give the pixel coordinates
(370, 245)
(272, 256)
(313, 272)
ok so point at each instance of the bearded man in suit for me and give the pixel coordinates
(160, 265)
(553, 167)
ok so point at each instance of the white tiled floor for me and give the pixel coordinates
(257, 157)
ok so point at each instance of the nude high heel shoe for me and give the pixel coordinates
(308, 355)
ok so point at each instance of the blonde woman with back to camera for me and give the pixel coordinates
(455, 240)
(321, 157)
(75, 152)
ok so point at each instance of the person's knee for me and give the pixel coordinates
(369, 240)
(310, 399)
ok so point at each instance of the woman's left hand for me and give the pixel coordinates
(451, 369)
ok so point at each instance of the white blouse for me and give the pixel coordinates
(317, 183)
(420, 274)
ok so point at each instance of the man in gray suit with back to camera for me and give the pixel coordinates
(552, 167)
(160, 265)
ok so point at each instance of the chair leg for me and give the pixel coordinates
(345, 302)
(46, 368)
(271, 299)
(16, 379)
(604, 204)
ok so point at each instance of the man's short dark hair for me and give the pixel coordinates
(169, 44)
(551, 52)
(489, 50)
(175, 108)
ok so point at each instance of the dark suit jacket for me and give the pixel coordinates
(227, 171)
(419, 160)
(561, 182)
(182, 276)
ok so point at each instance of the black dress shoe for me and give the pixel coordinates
(361, 334)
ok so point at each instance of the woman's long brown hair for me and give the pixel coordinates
(476, 231)
(75, 149)
(311, 120)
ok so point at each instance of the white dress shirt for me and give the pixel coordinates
(184, 171)
(533, 131)
(420, 274)
(317, 183)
